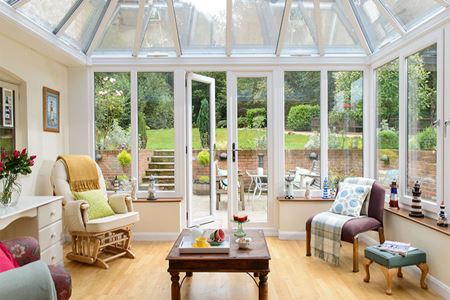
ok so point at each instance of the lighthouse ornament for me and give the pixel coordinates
(325, 192)
(416, 207)
(393, 199)
(442, 219)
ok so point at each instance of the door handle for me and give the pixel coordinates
(233, 152)
(437, 123)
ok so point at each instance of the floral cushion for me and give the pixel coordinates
(350, 199)
(7, 261)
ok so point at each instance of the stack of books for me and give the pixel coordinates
(396, 247)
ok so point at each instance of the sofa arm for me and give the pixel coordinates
(62, 280)
(118, 203)
(24, 249)
(76, 216)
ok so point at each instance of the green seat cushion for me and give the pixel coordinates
(98, 203)
(390, 260)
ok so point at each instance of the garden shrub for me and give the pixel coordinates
(124, 158)
(387, 139)
(203, 179)
(142, 131)
(300, 116)
(313, 142)
(118, 138)
(222, 124)
(254, 112)
(259, 122)
(243, 122)
(203, 157)
(256, 117)
(203, 123)
(426, 139)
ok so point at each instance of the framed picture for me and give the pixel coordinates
(8, 107)
(51, 110)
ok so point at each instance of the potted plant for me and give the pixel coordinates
(12, 165)
(201, 185)
(124, 160)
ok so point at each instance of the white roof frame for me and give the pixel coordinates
(69, 17)
(283, 27)
(18, 3)
(391, 19)
(111, 8)
(139, 27)
(174, 28)
(229, 27)
(357, 26)
(318, 27)
(443, 3)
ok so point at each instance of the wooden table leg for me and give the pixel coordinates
(388, 275)
(424, 269)
(255, 274)
(367, 264)
(188, 274)
(399, 272)
(175, 277)
(263, 288)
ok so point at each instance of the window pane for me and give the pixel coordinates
(201, 25)
(113, 127)
(156, 130)
(7, 140)
(301, 31)
(422, 112)
(81, 30)
(46, 13)
(120, 33)
(412, 12)
(345, 121)
(387, 89)
(377, 28)
(302, 128)
(157, 29)
(256, 25)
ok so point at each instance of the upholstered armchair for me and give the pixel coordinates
(352, 229)
(26, 250)
(99, 240)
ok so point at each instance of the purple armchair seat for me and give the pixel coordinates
(26, 250)
(351, 229)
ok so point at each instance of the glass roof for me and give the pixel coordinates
(228, 27)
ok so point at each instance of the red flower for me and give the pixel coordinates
(24, 151)
(1, 169)
(32, 157)
(31, 162)
(1, 164)
(4, 155)
(16, 154)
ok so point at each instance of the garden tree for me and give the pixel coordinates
(142, 131)
(387, 94)
(203, 123)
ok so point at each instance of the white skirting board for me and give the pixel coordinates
(291, 235)
(154, 236)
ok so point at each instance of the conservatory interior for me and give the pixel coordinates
(226, 149)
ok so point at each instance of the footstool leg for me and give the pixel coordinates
(424, 269)
(399, 273)
(388, 275)
(367, 263)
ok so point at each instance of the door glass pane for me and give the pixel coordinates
(422, 112)
(201, 151)
(113, 127)
(256, 25)
(345, 123)
(252, 146)
(302, 128)
(201, 25)
(156, 130)
(387, 89)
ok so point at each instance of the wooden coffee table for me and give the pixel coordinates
(253, 260)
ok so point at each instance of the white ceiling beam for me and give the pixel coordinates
(139, 27)
(18, 3)
(443, 3)
(69, 17)
(309, 23)
(229, 28)
(318, 27)
(283, 27)
(173, 22)
(391, 19)
(112, 6)
(357, 26)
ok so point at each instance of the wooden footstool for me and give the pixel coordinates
(390, 262)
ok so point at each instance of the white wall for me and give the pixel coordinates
(36, 71)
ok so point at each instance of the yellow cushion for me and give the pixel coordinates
(98, 203)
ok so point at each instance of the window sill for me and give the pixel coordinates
(302, 199)
(159, 200)
(427, 222)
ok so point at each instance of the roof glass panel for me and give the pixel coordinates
(256, 25)
(338, 34)
(201, 25)
(376, 27)
(120, 33)
(46, 13)
(157, 29)
(80, 31)
(412, 12)
(301, 31)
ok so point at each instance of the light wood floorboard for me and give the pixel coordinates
(292, 276)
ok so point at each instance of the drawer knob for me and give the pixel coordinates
(53, 258)
(52, 214)
(52, 236)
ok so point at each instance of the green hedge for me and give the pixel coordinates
(300, 117)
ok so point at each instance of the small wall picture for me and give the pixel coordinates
(8, 107)
(51, 110)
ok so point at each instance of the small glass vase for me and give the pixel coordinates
(10, 190)
(239, 231)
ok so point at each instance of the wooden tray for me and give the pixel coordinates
(186, 247)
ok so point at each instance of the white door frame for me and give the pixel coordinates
(212, 142)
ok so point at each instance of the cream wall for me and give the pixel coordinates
(36, 71)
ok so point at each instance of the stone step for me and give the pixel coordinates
(160, 172)
(164, 158)
(161, 165)
(160, 179)
(161, 186)
(167, 152)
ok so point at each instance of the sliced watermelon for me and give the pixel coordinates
(219, 235)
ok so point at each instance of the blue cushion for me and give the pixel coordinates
(349, 201)
(390, 260)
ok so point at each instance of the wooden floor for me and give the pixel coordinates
(292, 276)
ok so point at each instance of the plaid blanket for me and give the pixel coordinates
(326, 229)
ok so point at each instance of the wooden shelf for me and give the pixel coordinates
(428, 222)
(301, 199)
(159, 200)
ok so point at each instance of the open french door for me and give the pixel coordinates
(200, 150)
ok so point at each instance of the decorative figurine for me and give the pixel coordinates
(240, 230)
(325, 193)
(393, 200)
(151, 188)
(416, 207)
(289, 186)
(442, 219)
(308, 192)
(116, 184)
(133, 188)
